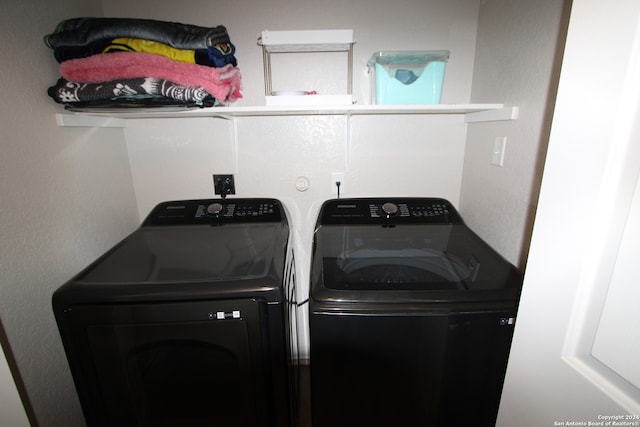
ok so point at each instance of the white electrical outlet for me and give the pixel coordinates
(337, 177)
(499, 145)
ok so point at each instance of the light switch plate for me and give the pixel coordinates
(499, 145)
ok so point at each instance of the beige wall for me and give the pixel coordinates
(65, 197)
(517, 62)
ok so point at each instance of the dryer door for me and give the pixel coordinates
(186, 364)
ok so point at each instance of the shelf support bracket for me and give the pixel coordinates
(501, 114)
(82, 120)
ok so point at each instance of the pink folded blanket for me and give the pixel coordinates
(223, 83)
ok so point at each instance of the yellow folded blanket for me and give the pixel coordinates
(148, 46)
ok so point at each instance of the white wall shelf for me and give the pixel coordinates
(117, 117)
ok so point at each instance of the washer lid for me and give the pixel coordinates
(411, 262)
(178, 254)
(199, 240)
(191, 250)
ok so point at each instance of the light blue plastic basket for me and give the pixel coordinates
(408, 77)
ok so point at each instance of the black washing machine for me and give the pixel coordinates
(188, 320)
(411, 316)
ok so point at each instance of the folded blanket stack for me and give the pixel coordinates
(133, 62)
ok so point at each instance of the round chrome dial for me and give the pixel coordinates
(390, 208)
(214, 208)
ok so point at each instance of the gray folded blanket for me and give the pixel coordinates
(66, 92)
(82, 31)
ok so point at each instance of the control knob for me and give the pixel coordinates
(389, 209)
(214, 208)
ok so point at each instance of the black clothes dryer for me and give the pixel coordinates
(187, 321)
(411, 316)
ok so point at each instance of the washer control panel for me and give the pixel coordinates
(419, 210)
(215, 211)
(389, 211)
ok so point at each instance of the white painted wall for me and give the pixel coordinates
(66, 196)
(517, 62)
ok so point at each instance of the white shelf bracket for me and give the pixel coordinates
(82, 120)
(348, 141)
(501, 114)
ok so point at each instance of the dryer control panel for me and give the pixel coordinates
(215, 211)
(389, 211)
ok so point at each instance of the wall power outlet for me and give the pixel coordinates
(224, 185)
